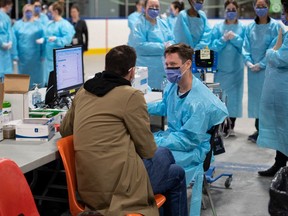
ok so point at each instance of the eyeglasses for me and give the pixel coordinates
(231, 10)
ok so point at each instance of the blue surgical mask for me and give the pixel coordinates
(153, 13)
(173, 74)
(284, 20)
(231, 15)
(261, 12)
(143, 10)
(37, 9)
(28, 15)
(198, 6)
(49, 15)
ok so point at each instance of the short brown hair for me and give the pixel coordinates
(120, 59)
(184, 51)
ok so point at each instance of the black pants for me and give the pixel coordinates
(257, 124)
(280, 159)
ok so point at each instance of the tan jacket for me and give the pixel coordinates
(111, 135)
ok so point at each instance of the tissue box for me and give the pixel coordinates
(35, 129)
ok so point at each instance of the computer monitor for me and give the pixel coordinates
(69, 71)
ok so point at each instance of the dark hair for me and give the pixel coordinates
(178, 5)
(120, 59)
(59, 6)
(267, 2)
(184, 51)
(75, 6)
(285, 5)
(4, 3)
(227, 2)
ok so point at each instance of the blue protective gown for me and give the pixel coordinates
(132, 19)
(258, 38)
(189, 119)
(148, 41)
(273, 119)
(43, 19)
(194, 31)
(30, 55)
(230, 72)
(64, 33)
(171, 20)
(6, 35)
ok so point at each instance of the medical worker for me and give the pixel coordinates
(227, 41)
(274, 101)
(58, 33)
(258, 38)
(150, 36)
(192, 26)
(28, 53)
(38, 15)
(191, 110)
(133, 17)
(6, 38)
(175, 8)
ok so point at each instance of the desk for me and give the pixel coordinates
(30, 155)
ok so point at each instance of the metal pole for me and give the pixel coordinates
(17, 9)
(126, 8)
(67, 9)
(96, 8)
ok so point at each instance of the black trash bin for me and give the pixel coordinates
(278, 205)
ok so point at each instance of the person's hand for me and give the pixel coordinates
(167, 44)
(256, 68)
(231, 35)
(52, 38)
(40, 41)
(7, 46)
(249, 65)
(225, 36)
(279, 40)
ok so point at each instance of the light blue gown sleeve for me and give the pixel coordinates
(15, 29)
(67, 33)
(237, 41)
(181, 30)
(246, 50)
(263, 61)
(217, 40)
(186, 139)
(159, 108)
(278, 58)
(142, 45)
(206, 36)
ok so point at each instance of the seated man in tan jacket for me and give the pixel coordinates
(112, 136)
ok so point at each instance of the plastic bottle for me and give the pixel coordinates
(164, 83)
(7, 111)
(36, 96)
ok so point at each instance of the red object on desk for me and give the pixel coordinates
(57, 127)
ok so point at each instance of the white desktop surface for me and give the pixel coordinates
(30, 155)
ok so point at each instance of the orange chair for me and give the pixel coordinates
(66, 149)
(15, 194)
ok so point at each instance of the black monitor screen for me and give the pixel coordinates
(68, 67)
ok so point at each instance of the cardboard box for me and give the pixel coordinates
(58, 114)
(16, 83)
(35, 129)
(16, 88)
